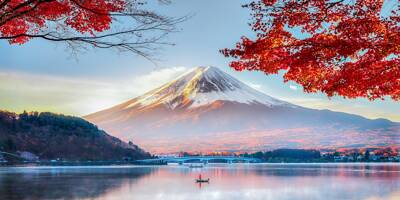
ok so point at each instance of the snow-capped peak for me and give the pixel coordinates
(202, 86)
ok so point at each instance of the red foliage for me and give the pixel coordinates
(347, 48)
(27, 17)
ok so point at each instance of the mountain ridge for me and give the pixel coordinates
(195, 110)
(203, 80)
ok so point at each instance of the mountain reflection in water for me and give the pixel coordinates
(235, 181)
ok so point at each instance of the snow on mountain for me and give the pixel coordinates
(203, 86)
(206, 109)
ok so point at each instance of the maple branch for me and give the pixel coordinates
(347, 49)
(138, 47)
(141, 35)
(18, 14)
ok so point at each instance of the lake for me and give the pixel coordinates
(227, 181)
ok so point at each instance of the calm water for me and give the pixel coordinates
(235, 181)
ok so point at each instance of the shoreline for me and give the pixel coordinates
(132, 163)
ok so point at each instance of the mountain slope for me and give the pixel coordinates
(208, 110)
(52, 136)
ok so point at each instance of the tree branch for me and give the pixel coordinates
(140, 35)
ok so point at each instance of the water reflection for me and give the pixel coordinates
(241, 181)
(65, 182)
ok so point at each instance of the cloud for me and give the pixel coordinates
(293, 87)
(77, 96)
(156, 78)
(254, 85)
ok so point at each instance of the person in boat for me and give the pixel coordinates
(200, 180)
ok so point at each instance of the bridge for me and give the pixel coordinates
(200, 159)
(10, 154)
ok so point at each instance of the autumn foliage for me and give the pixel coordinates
(21, 18)
(123, 24)
(339, 47)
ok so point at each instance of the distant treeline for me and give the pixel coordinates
(55, 136)
(387, 154)
(287, 155)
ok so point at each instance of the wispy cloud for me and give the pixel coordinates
(154, 79)
(79, 96)
(254, 85)
(293, 87)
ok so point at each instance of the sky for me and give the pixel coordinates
(43, 76)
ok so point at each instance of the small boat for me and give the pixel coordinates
(202, 180)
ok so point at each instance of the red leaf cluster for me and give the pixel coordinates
(25, 17)
(338, 47)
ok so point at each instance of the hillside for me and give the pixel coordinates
(53, 136)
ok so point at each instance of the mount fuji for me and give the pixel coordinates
(207, 110)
